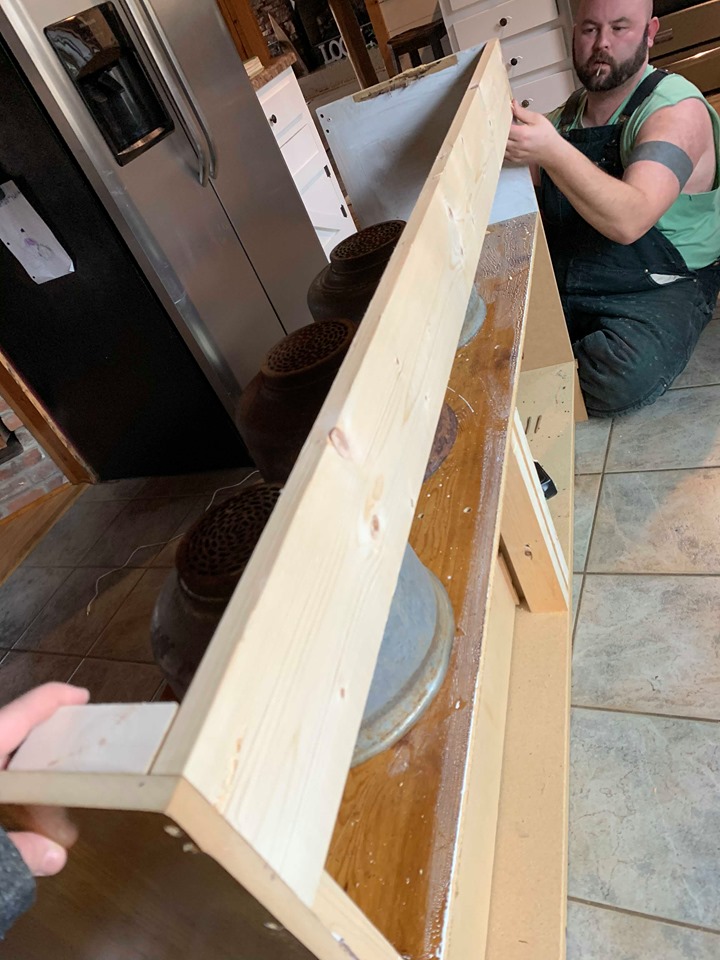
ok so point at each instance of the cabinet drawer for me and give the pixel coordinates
(524, 56)
(546, 94)
(283, 105)
(504, 20)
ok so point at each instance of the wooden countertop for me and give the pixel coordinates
(275, 68)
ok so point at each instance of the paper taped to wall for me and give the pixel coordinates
(29, 238)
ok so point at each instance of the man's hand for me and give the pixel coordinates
(47, 833)
(532, 139)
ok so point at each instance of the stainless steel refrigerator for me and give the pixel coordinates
(153, 102)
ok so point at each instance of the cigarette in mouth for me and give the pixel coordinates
(598, 70)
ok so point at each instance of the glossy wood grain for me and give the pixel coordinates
(397, 829)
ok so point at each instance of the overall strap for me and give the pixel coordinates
(642, 93)
(570, 110)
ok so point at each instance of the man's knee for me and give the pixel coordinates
(618, 376)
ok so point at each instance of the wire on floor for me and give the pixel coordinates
(163, 543)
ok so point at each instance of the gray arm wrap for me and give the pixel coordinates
(669, 155)
(17, 885)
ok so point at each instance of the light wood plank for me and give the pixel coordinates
(21, 532)
(252, 734)
(97, 738)
(41, 425)
(469, 907)
(547, 342)
(528, 532)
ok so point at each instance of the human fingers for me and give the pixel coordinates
(43, 857)
(18, 718)
(523, 115)
(51, 822)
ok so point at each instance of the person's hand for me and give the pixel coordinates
(46, 832)
(532, 138)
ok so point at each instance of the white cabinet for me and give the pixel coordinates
(304, 153)
(535, 40)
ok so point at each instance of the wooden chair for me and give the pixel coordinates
(412, 42)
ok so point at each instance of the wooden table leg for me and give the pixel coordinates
(354, 42)
(382, 36)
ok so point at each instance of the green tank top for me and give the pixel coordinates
(692, 224)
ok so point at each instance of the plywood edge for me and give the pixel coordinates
(528, 908)
(21, 532)
(469, 908)
(545, 404)
(92, 791)
(252, 739)
(547, 341)
(528, 532)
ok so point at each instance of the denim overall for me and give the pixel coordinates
(634, 312)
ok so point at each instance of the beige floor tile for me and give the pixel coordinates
(649, 644)
(577, 587)
(591, 440)
(64, 625)
(586, 495)
(74, 534)
(666, 522)
(595, 933)
(127, 635)
(110, 681)
(704, 365)
(681, 430)
(142, 523)
(23, 596)
(20, 672)
(644, 815)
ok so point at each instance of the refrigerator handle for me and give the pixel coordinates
(175, 80)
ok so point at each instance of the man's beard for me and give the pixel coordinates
(618, 73)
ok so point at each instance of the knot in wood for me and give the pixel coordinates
(340, 443)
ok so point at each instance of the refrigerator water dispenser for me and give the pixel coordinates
(98, 54)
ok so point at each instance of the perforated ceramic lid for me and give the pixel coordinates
(214, 552)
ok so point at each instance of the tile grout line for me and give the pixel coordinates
(624, 473)
(597, 504)
(646, 573)
(644, 916)
(62, 583)
(643, 713)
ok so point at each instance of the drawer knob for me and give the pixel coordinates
(504, 21)
(272, 118)
(514, 61)
(526, 103)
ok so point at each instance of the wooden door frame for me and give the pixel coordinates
(21, 399)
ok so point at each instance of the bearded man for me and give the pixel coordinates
(628, 179)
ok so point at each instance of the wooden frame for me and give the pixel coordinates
(41, 425)
(245, 30)
(253, 768)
